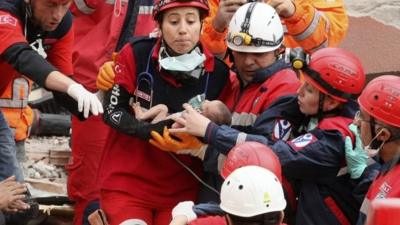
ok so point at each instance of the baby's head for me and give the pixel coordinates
(217, 112)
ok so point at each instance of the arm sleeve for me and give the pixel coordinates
(26, 61)
(68, 103)
(265, 129)
(15, 50)
(118, 115)
(10, 31)
(317, 24)
(224, 138)
(210, 38)
(317, 155)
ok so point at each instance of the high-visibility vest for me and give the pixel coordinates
(14, 105)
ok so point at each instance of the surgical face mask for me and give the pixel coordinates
(183, 63)
(371, 152)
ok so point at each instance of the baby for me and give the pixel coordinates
(215, 110)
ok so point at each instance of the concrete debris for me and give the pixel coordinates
(44, 168)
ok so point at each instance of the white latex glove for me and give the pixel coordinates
(184, 209)
(86, 100)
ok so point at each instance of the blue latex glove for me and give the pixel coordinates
(356, 158)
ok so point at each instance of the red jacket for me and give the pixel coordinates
(133, 165)
(386, 185)
(12, 32)
(246, 103)
(106, 23)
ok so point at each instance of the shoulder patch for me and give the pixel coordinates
(302, 141)
(282, 130)
(8, 19)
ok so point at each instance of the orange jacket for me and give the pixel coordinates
(14, 105)
(315, 24)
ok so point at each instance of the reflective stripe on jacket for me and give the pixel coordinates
(315, 24)
(14, 105)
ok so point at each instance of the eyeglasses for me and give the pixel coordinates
(358, 117)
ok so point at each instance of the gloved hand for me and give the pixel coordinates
(356, 158)
(167, 143)
(184, 209)
(106, 75)
(86, 100)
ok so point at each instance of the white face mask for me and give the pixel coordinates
(183, 63)
(373, 152)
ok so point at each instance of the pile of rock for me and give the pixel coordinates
(44, 168)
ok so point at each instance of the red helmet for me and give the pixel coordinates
(162, 5)
(335, 72)
(381, 99)
(251, 154)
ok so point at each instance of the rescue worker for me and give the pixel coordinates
(261, 77)
(14, 105)
(168, 70)
(307, 132)
(101, 28)
(378, 123)
(310, 24)
(249, 195)
(32, 30)
(242, 155)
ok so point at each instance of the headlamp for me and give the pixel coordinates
(241, 38)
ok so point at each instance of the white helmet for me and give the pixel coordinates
(250, 191)
(255, 27)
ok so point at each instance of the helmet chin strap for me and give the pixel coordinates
(321, 113)
(375, 143)
(28, 9)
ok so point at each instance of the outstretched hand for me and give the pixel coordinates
(191, 121)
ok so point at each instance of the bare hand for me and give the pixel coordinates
(11, 192)
(16, 206)
(192, 122)
(285, 8)
(225, 13)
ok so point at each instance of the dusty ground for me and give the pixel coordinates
(385, 11)
(374, 28)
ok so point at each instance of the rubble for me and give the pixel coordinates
(44, 168)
